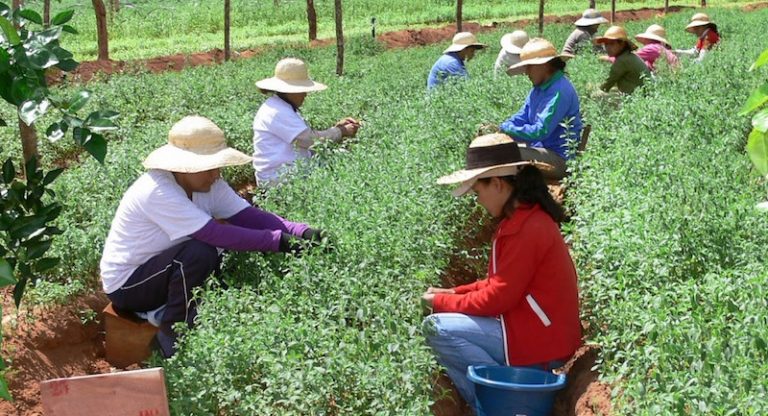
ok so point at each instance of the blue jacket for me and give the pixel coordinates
(449, 65)
(547, 106)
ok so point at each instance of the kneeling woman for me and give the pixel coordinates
(628, 71)
(526, 313)
(551, 105)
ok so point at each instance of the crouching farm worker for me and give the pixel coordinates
(511, 46)
(280, 134)
(550, 117)
(655, 46)
(164, 239)
(628, 71)
(586, 27)
(451, 64)
(526, 312)
(707, 34)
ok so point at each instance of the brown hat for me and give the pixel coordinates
(615, 33)
(654, 32)
(488, 156)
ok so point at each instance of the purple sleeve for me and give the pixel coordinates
(649, 53)
(237, 238)
(257, 219)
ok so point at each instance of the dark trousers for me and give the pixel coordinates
(169, 278)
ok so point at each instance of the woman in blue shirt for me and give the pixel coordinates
(550, 118)
(451, 63)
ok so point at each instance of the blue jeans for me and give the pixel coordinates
(461, 340)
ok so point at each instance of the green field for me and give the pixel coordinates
(669, 247)
(147, 28)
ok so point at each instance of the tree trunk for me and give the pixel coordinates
(703, 3)
(227, 13)
(101, 29)
(115, 6)
(459, 6)
(613, 12)
(28, 140)
(666, 6)
(591, 4)
(339, 39)
(541, 17)
(312, 20)
(46, 13)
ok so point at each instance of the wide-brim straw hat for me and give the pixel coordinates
(291, 76)
(591, 17)
(514, 42)
(536, 51)
(488, 156)
(195, 144)
(698, 19)
(464, 40)
(654, 32)
(615, 33)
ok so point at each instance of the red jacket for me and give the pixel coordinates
(531, 286)
(707, 40)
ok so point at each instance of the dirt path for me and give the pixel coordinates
(397, 39)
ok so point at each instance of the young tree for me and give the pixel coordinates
(312, 20)
(101, 29)
(459, 7)
(46, 13)
(541, 17)
(339, 39)
(227, 13)
(28, 207)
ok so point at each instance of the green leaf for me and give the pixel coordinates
(4, 392)
(45, 264)
(55, 132)
(36, 249)
(79, 100)
(42, 58)
(9, 171)
(67, 65)
(757, 149)
(81, 135)
(70, 29)
(63, 17)
(31, 110)
(6, 274)
(100, 125)
(26, 226)
(761, 60)
(5, 60)
(758, 98)
(108, 114)
(97, 147)
(31, 15)
(10, 31)
(3, 123)
(25, 88)
(760, 120)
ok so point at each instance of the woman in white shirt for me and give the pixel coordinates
(280, 134)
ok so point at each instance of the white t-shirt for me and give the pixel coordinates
(155, 214)
(505, 60)
(275, 127)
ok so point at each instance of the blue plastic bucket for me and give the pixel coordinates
(514, 391)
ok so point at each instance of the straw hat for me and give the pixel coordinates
(591, 17)
(195, 144)
(654, 32)
(462, 40)
(536, 51)
(488, 156)
(698, 19)
(615, 33)
(291, 76)
(514, 42)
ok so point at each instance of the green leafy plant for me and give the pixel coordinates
(28, 205)
(757, 143)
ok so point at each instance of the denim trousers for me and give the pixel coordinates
(459, 341)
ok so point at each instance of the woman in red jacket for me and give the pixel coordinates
(526, 313)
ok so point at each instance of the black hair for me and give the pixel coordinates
(557, 64)
(713, 27)
(529, 187)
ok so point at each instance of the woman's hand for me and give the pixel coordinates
(348, 126)
(427, 299)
